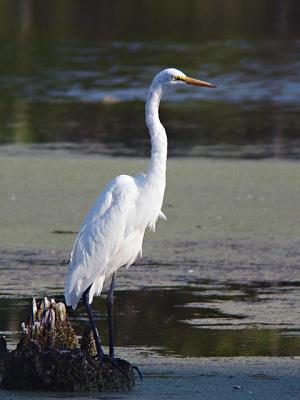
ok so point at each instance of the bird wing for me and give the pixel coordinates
(100, 236)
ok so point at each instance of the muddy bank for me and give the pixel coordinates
(257, 378)
(224, 378)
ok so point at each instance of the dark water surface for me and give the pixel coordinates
(181, 321)
(77, 72)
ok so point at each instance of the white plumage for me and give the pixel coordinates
(111, 236)
(112, 232)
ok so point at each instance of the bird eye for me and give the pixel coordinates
(174, 78)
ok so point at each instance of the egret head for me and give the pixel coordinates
(172, 76)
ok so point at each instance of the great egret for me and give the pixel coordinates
(112, 232)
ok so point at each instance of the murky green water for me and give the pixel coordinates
(185, 322)
(75, 75)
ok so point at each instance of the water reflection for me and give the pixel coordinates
(210, 128)
(163, 319)
(63, 84)
(243, 70)
(61, 19)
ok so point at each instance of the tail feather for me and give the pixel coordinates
(72, 299)
(74, 294)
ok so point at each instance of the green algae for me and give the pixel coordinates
(205, 199)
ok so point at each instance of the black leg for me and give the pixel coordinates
(100, 352)
(92, 322)
(109, 303)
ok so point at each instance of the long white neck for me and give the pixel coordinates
(159, 142)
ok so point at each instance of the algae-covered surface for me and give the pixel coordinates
(44, 198)
(212, 308)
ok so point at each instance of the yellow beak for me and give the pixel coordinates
(196, 82)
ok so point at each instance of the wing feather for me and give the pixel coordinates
(100, 237)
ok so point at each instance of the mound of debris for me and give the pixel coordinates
(49, 357)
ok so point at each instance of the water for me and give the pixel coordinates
(95, 97)
(221, 277)
(63, 85)
(183, 321)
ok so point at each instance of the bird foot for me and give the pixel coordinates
(117, 363)
(136, 368)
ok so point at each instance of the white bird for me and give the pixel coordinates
(112, 233)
